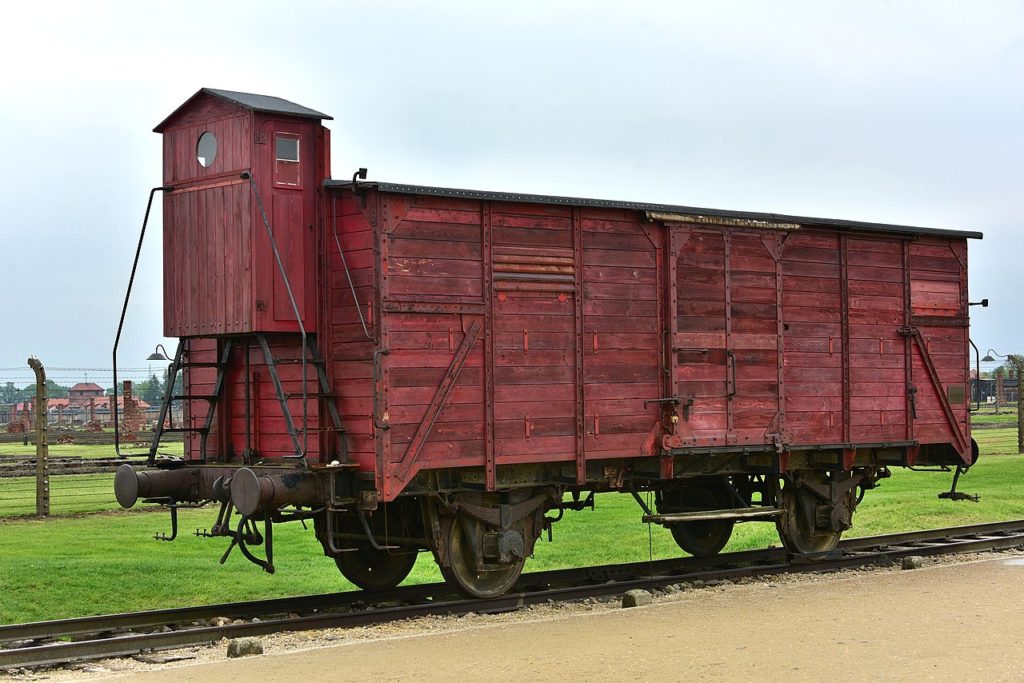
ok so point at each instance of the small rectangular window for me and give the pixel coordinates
(287, 148)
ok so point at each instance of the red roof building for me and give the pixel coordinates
(80, 394)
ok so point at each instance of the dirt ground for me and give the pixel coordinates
(946, 621)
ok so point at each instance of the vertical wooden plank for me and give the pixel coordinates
(665, 282)
(844, 319)
(730, 372)
(577, 243)
(908, 352)
(382, 436)
(488, 292)
(780, 328)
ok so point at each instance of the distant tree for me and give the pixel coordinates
(150, 390)
(53, 390)
(9, 393)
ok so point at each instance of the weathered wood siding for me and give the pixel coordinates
(220, 272)
(548, 324)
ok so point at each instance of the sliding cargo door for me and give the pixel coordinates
(533, 342)
(724, 356)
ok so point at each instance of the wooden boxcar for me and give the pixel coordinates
(430, 368)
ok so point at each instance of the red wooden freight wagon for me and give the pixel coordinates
(430, 368)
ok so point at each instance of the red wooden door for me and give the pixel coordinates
(725, 348)
(288, 195)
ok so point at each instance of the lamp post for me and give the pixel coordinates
(160, 353)
(1018, 364)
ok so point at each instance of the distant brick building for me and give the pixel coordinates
(80, 394)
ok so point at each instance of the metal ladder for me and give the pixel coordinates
(213, 399)
(323, 393)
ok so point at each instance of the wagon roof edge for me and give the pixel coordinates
(399, 188)
(264, 104)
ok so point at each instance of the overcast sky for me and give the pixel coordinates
(901, 112)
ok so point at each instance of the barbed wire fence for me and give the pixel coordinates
(77, 483)
(56, 469)
(69, 494)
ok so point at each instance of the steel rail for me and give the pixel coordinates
(533, 588)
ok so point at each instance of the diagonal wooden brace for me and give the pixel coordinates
(438, 402)
(963, 447)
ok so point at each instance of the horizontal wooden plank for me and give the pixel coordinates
(875, 274)
(627, 391)
(643, 309)
(594, 255)
(419, 377)
(563, 223)
(434, 267)
(460, 393)
(934, 264)
(435, 285)
(537, 376)
(618, 241)
(624, 373)
(462, 216)
(620, 290)
(535, 358)
(812, 276)
(521, 339)
(513, 393)
(531, 236)
(635, 275)
(421, 248)
(444, 232)
(537, 406)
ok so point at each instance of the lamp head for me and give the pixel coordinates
(159, 353)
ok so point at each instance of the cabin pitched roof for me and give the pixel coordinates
(265, 104)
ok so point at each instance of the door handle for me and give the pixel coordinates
(730, 389)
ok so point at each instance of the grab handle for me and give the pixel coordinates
(730, 390)
(377, 421)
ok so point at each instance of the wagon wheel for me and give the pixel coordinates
(463, 573)
(796, 526)
(700, 539)
(376, 570)
(370, 569)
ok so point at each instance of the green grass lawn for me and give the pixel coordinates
(69, 494)
(82, 450)
(987, 415)
(109, 562)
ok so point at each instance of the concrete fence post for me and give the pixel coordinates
(42, 447)
(1018, 362)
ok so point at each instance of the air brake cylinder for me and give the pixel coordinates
(130, 485)
(252, 492)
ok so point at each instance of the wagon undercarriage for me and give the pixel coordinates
(482, 539)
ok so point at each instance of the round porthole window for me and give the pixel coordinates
(206, 149)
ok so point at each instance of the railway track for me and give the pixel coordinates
(62, 641)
